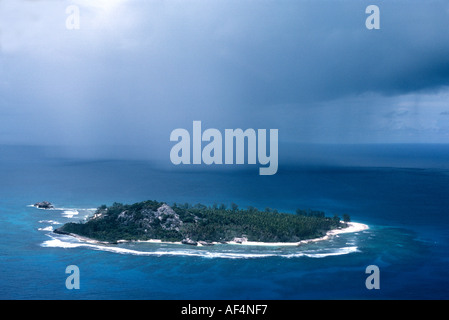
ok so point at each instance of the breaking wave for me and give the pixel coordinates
(218, 251)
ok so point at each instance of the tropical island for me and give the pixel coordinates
(201, 224)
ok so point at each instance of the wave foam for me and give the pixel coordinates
(49, 221)
(49, 228)
(69, 213)
(68, 242)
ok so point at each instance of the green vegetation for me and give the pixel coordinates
(156, 220)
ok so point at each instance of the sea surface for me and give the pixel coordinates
(404, 201)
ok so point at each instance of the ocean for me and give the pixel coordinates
(401, 193)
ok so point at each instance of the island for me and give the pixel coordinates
(200, 224)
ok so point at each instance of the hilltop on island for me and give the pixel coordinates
(200, 224)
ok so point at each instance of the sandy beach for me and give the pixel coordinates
(352, 227)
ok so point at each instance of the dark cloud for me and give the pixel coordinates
(136, 71)
(331, 54)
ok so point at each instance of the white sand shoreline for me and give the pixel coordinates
(351, 228)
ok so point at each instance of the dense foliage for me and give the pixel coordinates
(156, 220)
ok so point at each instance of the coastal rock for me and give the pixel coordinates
(189, 242)
(240, 240)
(44, 205)
(205, 243)
(59, 231)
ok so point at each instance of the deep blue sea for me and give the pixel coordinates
(405, 204)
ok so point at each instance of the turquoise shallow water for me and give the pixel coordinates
(406, 210)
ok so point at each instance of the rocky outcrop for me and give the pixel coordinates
(240, 240)
(205, 243)
(189, 242)
(168, 217)
(164, 216)
(44, 205)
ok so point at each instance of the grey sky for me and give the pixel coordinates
(136, 70)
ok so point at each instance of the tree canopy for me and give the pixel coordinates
(156, 220)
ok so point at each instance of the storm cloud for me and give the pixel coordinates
(136, 70)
